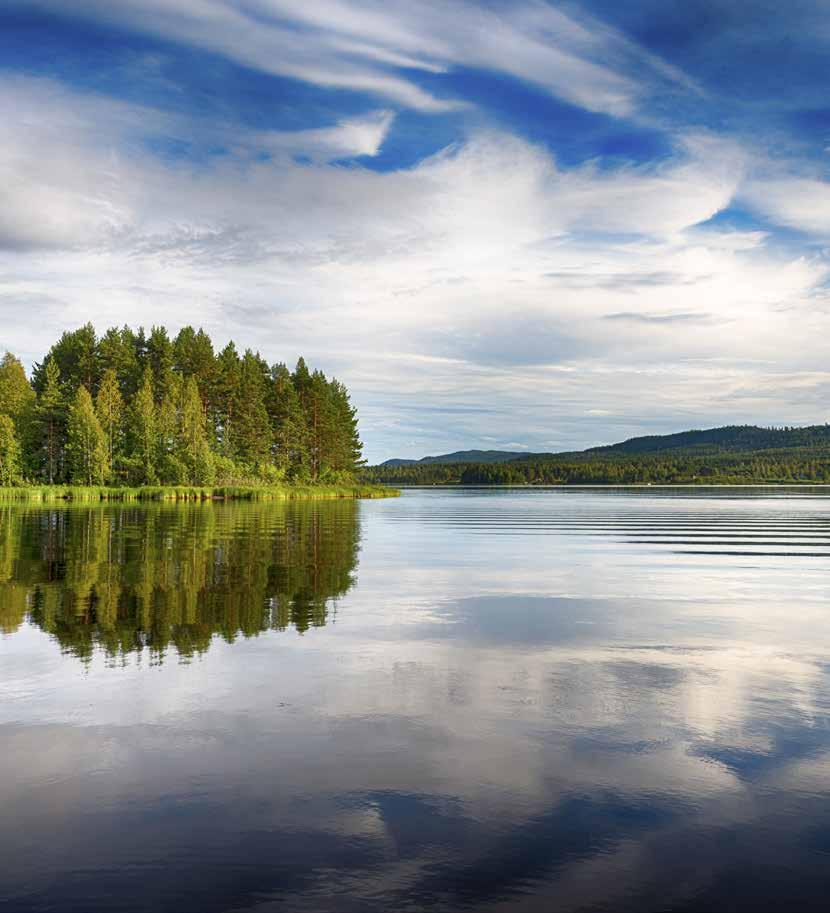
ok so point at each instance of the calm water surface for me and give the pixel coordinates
(488, 700)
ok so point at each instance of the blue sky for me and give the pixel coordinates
(522, 225)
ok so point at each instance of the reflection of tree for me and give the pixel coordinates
(127, 577)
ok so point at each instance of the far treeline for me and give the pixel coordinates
(135, 409)
(732, 455)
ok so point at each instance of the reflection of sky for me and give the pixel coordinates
(491, 719)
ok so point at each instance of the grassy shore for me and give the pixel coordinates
(50, 493)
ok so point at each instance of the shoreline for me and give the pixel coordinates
(46, 494)
(565, 486)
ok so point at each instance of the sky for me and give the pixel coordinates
(518, 225)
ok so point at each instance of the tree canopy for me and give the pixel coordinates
(132, 408)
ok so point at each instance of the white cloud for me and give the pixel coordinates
(476, 285)
(365, 45)
(796, 202)
(349, 138)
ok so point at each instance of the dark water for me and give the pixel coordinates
(484, 700)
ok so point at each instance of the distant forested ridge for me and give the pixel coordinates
(735, 454)
(130, 408)
(727, 438)
(466, 456)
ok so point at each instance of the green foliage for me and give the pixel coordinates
(76, 356)
(143, 433)
(288, 447)
(86, 447)
(193, 355)
(192, 446)
(249, 444)
(173, 412)
(17, 402)
(223, 398)
(50, 412)
(17, 399)
(344, 450)
(160, 360)
(118, 352)
(10, 468)
(109, 407)
(48, 494)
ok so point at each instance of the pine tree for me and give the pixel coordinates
(345, 447)
(290, 452)
(224, 397)
(117, 351)
(319, 416)
(160, 356)
(251, 428)
(16, 394)
(143, 435)
(51, 422)
(301, 379)
(17, 400)
(109, 407)
(86, 446)
(193, 450)
(167, 426)
(193, 356)
(76, 356)
(10, 465)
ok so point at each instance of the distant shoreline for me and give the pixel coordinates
(600, 485)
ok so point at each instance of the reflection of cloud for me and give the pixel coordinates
(522, 620)
(554, 768)
(465, 731)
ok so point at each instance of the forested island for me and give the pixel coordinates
(134, 410)
(732, 455)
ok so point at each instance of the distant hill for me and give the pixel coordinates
(734, 454)
(467, 456)
(730, 437)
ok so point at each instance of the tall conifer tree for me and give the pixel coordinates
(117, 351)
(224, 397)
(109, 407)
(77, 358)
(10, 465)
(193, 450)
(251, 429)
(86, 444)
(160, 356)
(167, 426)
(17, 397)
(290, 451)
(51, 423)
(143, 432)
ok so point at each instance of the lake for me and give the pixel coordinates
(458, 699)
